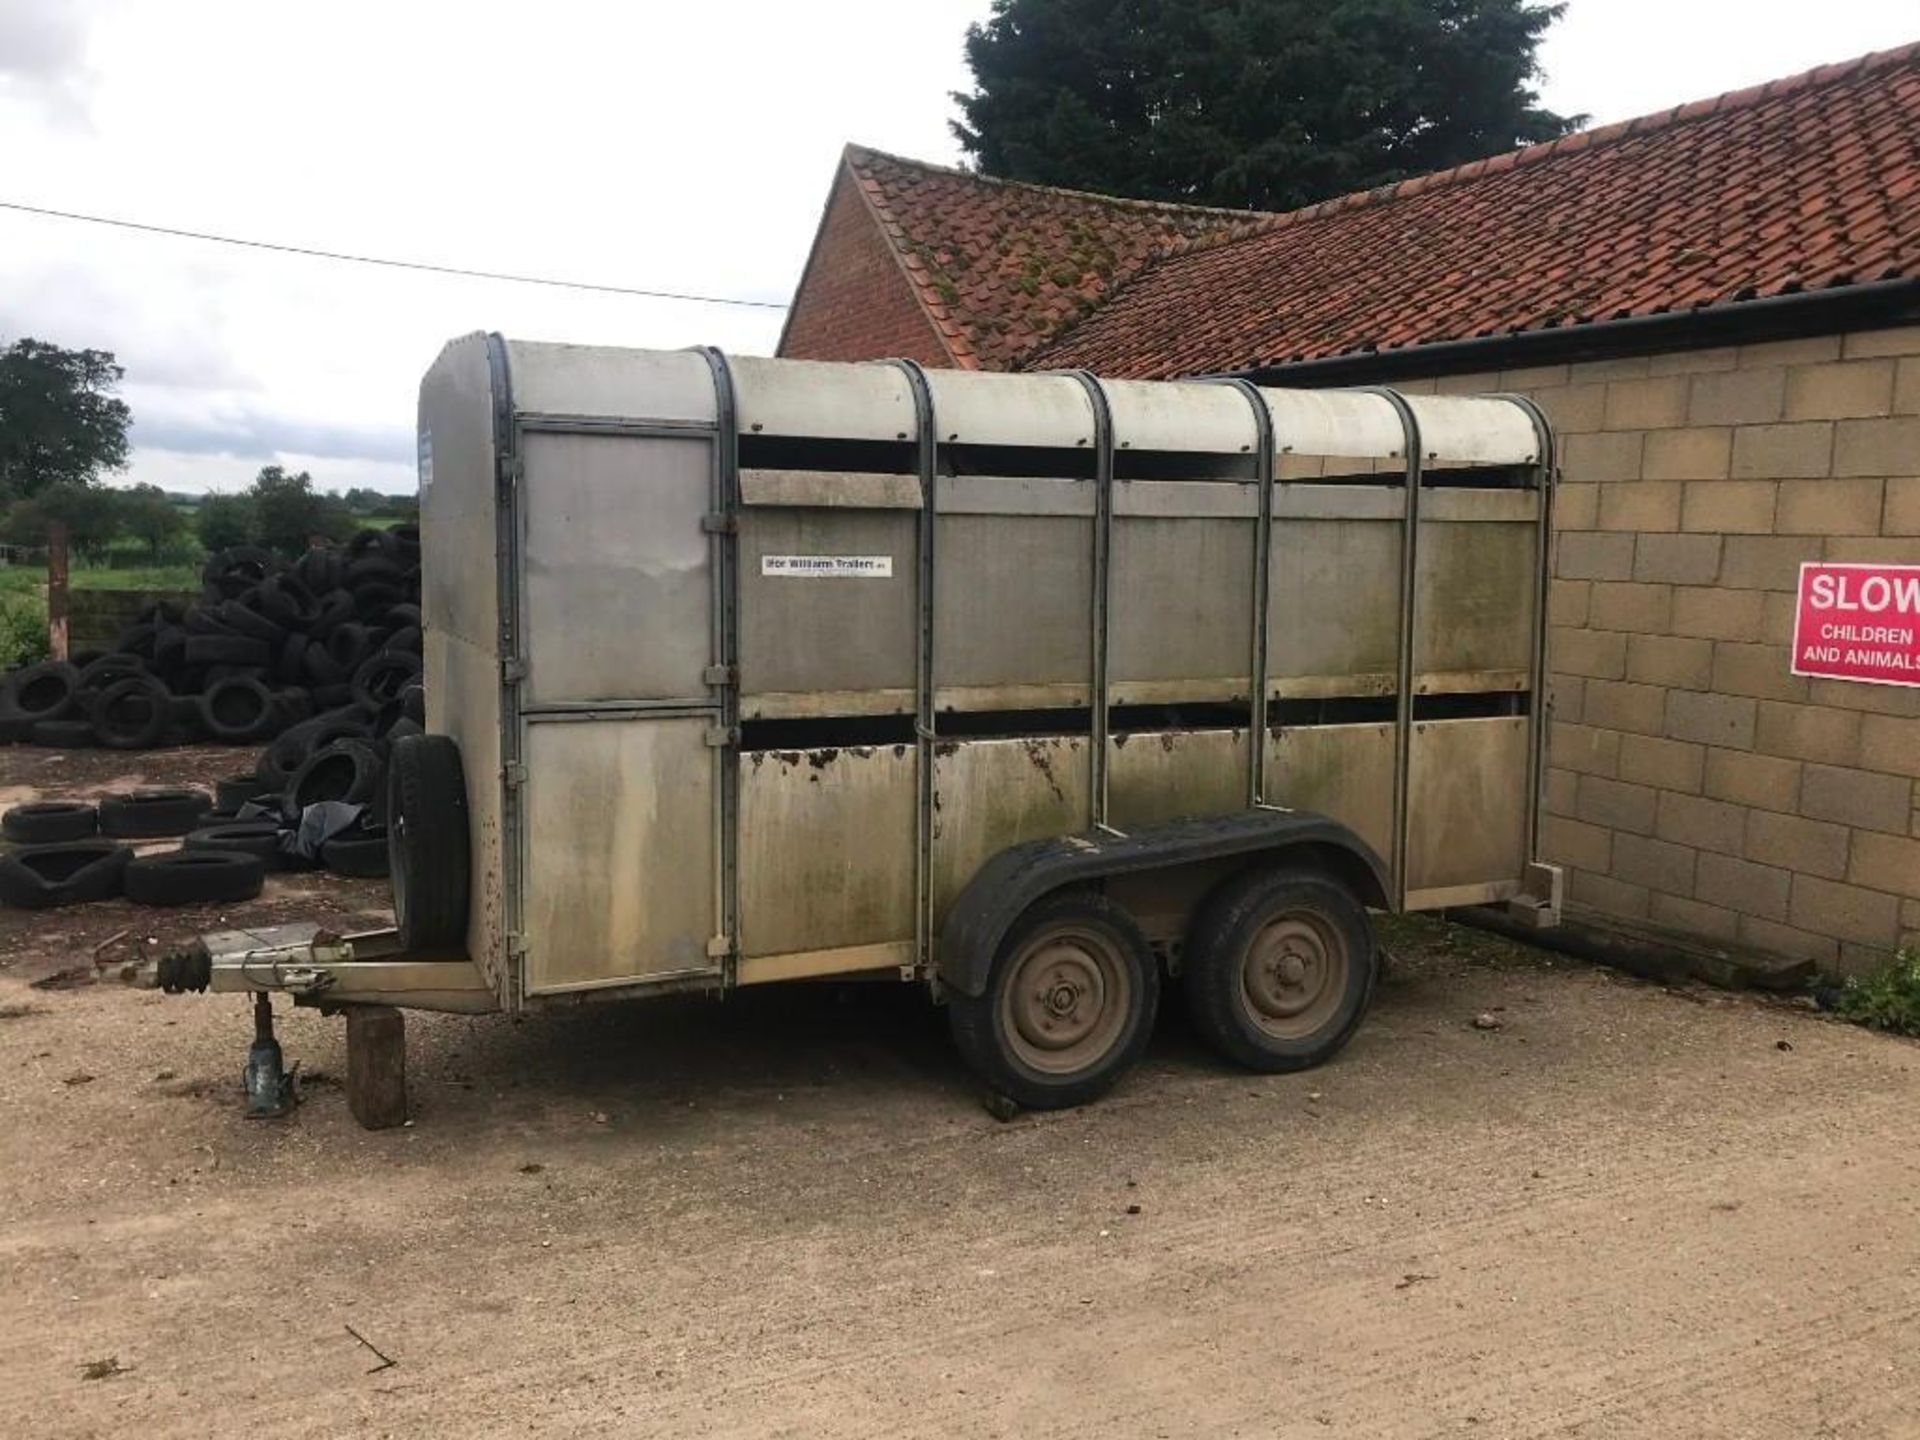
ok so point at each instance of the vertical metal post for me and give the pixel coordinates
(925, 716)
(1541, 680)
(59, 644)
(1101, 696)
(1262, 595)
(507, 578)
(1409, 608)
(725, 649)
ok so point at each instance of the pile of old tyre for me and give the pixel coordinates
(330, 811)
(269, 645)
(69, 852)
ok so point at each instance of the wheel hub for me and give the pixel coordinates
(1293, 974)
(1066, 1000)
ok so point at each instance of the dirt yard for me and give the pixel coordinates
(1623, 1211)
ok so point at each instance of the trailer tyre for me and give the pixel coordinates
(1068, 1005)
(1280, 968)
(195, 877)
(427, 843)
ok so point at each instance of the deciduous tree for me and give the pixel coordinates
(60, 423)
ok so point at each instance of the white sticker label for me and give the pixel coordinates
(829, 567)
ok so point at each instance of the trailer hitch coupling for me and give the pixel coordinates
(188, 968)
(269, 1084)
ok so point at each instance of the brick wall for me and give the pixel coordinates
(854, 303)
(1694, 782)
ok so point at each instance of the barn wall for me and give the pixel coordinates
(1695, 783)
(854, 303)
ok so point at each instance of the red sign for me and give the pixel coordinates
(1858, 622)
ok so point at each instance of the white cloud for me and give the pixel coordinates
(43, 58)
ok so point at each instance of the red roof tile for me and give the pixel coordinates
(1806, 183)
(1004, 267)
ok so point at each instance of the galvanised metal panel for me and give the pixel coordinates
(1201, 418)
(1474, 430)
(1345, 771)
(620, 860)
(1333, 624)
(1013, 610)
(826, 848)
(458, 516)
(460, 615)
(989, 794)
(617, 577)
(821, 399)
(973, 407)
(1473, 616)
(828, 644)
(463, 701)
(601, 382)
(1467, 802)
(1349, 424)
(1155, 776)
(1181, 612)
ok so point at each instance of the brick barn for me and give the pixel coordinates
(1718, 307)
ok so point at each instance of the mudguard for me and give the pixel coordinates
(1019, 875)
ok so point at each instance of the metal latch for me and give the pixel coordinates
(719, 523)
(718, 675)
(722, 735)
(514, 772)
(513, 669)
(719, 947)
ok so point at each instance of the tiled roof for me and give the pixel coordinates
(1807, 183)
(1003, 267)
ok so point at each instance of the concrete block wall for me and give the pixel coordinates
(1693, 781)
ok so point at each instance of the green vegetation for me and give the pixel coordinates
(1261, 104)
(60, 423)
(61, 428)
(1887, 1000)
(283, 512)
(23, 599)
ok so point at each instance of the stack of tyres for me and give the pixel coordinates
(268, 645)
(71, 852)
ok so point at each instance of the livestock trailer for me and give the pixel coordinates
(1039, 690)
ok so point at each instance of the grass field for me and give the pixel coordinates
(23, 600)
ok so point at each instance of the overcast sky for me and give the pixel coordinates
(679, 147)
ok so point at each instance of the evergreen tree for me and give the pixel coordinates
(1257, 104)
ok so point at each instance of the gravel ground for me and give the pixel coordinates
(1621, 1211)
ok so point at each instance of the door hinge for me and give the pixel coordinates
(719, 947)
(718, 675)
(513, 669)
(516, 946)
(721, 735)
(514, 772)
(719, 523)
(512, 467)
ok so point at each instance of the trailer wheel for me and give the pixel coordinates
(1068, 1004)
(427, 843)
(1279, 969)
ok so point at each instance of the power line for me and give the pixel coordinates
(390, 264)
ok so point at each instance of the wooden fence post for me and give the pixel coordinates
(57, 589)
